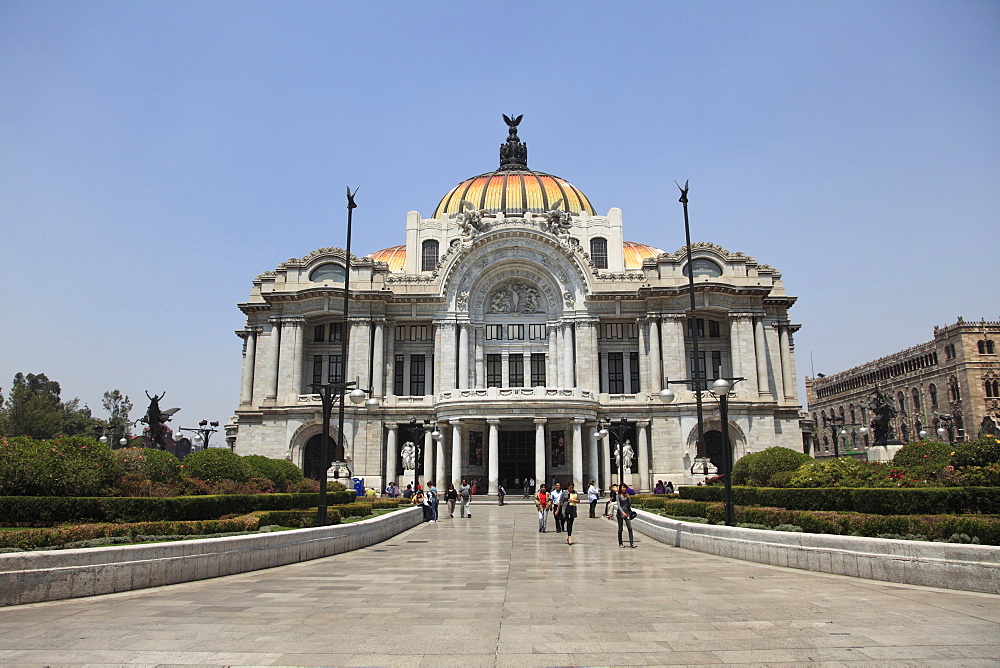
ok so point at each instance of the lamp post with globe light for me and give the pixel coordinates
(203, 433)
(946, 428)
(838, 427)
(619, 429)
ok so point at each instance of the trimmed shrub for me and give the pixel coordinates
(298, 518)
(757, 467)
(279, 471)
(924, 455)
(146, 464)
(64, 466)
(984, 452)
(217, 464)
(780, 479)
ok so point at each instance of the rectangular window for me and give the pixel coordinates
(494, 370)
(515, 332)
(537, 332)
(398, 371)
(633, 362)
(417, 375)
(716, 364)
(698, 367)
(713, 329)
(631, 330)
(613, 330)
(419, 333)
(400, 332)
(494, 332)
(317, 369)
(696, 323)
(538, 369)
(336, 331)
(616, 373)
(516, 370)
(335, 372)
(319, 333)
(475, 448)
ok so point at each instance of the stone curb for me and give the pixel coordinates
(31, 577)
(945, 565)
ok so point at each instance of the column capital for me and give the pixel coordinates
(579, 420)
(541, 420)
(296, 321)
(457, 422)
(673, 317)
(642, 423)
(392, 426)
(359, 320)
(493, 421)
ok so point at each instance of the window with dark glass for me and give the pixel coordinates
(932, 391)
(613, 330)
(616, 373)
(319, 333)
(336, 331)
(713, 328)
(417, 375)
(398, 375)
(599, 252)
(515, 365)
(631, 330)
(716, 364)
(420, 333)
(696, 324)
(698, 366)
(633, 372)
(494, 370)
(916, 401)
(335, 372)
(429, 255)
(400, 332)
(538, 369)
(317, 369)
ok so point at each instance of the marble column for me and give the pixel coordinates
(568, 379)
(249, 363)
(606, 461)
(435, 373)
(391, 452)
(297, 362)
(493, 471)
(642, 436)
(784, 345)
(463, 357)
(578, 454)
(456, 452)
(593, 462)
(441, 473)
(389, 368)
(428, 457)
(449, 357)
(359, 355)
(589, 375)
(286, 362)
(273, 355)
(553, 377)
(540, 468)
(655, 378)
(760, 353)
(378, 360)
(740, 347)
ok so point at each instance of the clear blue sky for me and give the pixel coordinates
(156, 156)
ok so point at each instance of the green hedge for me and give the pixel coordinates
(297, 518)
(28, 539)
(875, 500)
(48, 510)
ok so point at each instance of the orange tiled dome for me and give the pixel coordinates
(514, 192)
(395, 257)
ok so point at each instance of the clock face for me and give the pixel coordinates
(703, 267)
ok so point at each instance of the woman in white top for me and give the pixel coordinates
(592, 496)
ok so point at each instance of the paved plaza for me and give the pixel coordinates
(492, 591)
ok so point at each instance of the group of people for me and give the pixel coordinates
(429, 499)
(663, 489)
(562, 503)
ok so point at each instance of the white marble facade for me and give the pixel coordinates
(513, 339)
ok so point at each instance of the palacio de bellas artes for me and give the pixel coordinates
(502, 332)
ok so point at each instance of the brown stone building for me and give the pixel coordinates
(951, 382)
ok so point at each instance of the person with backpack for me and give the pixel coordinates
(465, 493)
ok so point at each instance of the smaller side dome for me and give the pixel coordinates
(635, 253)
(395, 257)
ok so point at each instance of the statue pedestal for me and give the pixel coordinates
(883, 453)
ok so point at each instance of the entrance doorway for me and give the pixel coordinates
(517, 458)
(312, 466)
(714, 449)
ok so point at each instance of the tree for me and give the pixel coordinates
(33, 407)
(76, 421)
(118, 408)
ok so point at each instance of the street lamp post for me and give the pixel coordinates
(721, 388)
(838, 426)
(204, 430)
(103, 438)
(698, 384)
(619, 429)
(946, 427)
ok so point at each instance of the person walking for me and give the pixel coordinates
(623, 507)
(432, 500)
(592, 496)
(542, 505)
(569, 511)
(612, 493)
(465, 492)
(501, 492)
(451, 498)
(556, 503)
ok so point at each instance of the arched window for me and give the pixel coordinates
(990, 350)
(954, 392)
(901, 398)
(982, 347)
(328, 272)
(916, 400)
(932, 390)
(599, 252)
(429, 255)
(851, 412)
(988, 386)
